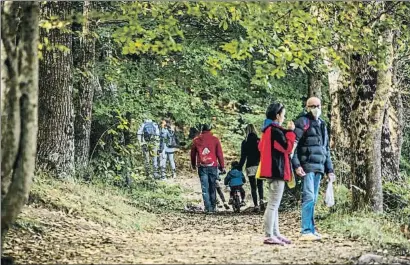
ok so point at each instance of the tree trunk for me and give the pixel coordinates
(86, 83)
(20, 107)
(56, 112)
(339, 120)
(314, 82)
(372, 90)
(392, 137)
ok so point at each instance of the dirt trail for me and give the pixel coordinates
(182, 238)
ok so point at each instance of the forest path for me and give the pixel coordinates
(180, 238)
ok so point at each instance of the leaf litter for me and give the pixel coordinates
(58, 237)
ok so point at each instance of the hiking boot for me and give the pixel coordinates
(256, 209)
(309, 237)
(226, 206)
(273, 241)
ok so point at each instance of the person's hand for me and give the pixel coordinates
(223, 171)
(291, 125)
(300, 172)
(331, 177)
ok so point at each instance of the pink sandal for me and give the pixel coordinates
(273, 241)
(284, 240)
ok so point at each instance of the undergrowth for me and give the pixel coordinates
(128, 207)
(380, 230)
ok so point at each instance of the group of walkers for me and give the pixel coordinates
(158, 143)
(303, 146)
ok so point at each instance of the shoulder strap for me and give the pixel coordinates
(306, 123)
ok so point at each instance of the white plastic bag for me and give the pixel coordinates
(329, 196)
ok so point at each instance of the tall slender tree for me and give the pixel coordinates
(19, 106)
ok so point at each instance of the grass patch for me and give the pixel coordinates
(130, 208)
(380, 230)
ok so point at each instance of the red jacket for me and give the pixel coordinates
(276, 146)
(207, 148)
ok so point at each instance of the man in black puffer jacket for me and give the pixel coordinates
(311, 161)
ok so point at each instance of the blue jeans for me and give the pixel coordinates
(311, 184)
(208, 176)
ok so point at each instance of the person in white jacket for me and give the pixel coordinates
(148, 136)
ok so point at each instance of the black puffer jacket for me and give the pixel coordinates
(249, 151)
(312, 152)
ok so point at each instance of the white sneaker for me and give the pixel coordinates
(309, 237)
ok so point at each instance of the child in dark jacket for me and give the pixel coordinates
(235, 179)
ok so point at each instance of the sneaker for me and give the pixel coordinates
(256, 209)
(273, 241)
(318, 235)
(230, 201)
(226, 206)
(309, 237)
(174, 174)
(243, 203)
(284, 240)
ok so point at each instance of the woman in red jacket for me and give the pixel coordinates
(275, 147)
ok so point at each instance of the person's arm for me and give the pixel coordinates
(243, 155)
(219, 154)
(243, 178)
(193, 155)
(227, 179)
(285, 139)
(299, 131)
(139, 134)
(328, 162)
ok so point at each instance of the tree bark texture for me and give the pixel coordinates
(85, 85)
(372, 91)
(392, 137)
(339, 120)
(56, 112)
(314, 82)
(19, 129)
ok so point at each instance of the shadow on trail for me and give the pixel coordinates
(246, 212)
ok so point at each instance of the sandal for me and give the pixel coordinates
(284, 240)
(273, 241)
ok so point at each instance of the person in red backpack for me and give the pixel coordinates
(207, 156)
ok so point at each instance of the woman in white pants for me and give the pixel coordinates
(275, 147)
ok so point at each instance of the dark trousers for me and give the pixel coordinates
(221, 194)
(241, 190)
(256, 184)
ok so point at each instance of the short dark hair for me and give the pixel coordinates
(206, 127)
(235, 165)
(274, 109)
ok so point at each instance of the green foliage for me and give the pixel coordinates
(396, 198)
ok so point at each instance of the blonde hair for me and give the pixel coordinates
(250, 128)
